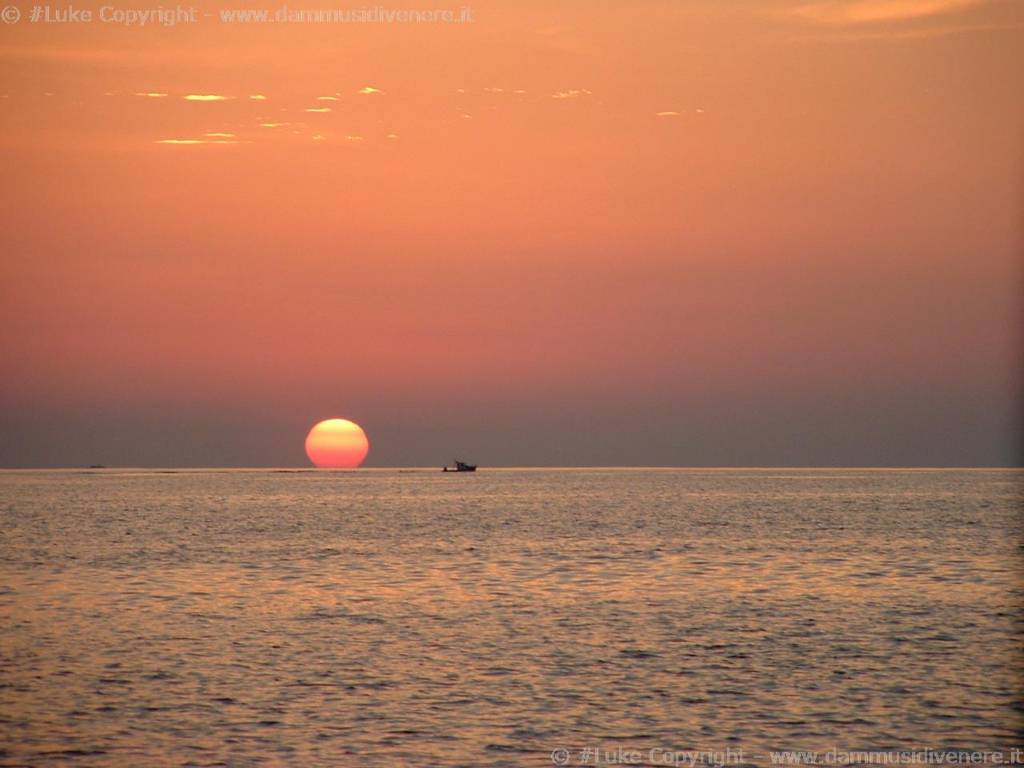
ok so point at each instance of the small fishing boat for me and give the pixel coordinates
(460, 466)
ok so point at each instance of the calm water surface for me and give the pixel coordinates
(388, 618)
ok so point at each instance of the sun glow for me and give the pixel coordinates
(337, 444)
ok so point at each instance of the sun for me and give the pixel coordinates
(337, 444)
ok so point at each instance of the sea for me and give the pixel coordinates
(511, 617)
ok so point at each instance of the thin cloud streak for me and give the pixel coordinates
(897, 35)
(188, 142)
(837, 12)
(572, 93)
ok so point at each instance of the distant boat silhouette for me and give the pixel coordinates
(97, 466)
(460, 466)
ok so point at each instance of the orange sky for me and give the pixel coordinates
(566, 232)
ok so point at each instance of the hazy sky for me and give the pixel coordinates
(566, 232)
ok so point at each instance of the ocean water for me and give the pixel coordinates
(392, 618)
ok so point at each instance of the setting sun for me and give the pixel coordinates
(337, 444)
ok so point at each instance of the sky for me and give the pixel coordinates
(687, 233)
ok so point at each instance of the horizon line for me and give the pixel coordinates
(430, 467)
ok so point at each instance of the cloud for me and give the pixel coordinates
(318, 109)
(274, 125)
(572, 93)
(368, 90)
(919, 33)
(668, 113)
(258, 97)
(843, 12)
(151, 94)
(205, 97)
(217, 135)
(195, 141)
(326, 98)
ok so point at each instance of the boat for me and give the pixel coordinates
(460, 466)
